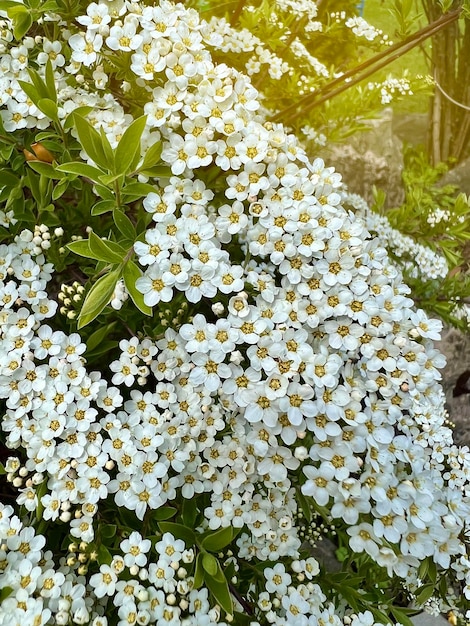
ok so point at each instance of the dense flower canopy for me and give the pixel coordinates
(293, 368)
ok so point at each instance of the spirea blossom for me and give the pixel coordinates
(283, 362)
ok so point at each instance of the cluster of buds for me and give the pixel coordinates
(71, 297)
(175, 319)
(81, 555)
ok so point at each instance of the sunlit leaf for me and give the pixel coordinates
(131, 272)
(98, 297)
(127, 153)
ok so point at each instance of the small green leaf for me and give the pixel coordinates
(133, 191)
(81, 169)
(104, 555)
(221, 593)
(49, 108)
(2, 469)
(127, 153)
(400, 616)
(124, 224)
(424, 593)
(217, 540)
(108, 151)
(92, 142)
(69, 120)
(342, 554)
(179, 531)
(60, 189)
(164, 513)
(198, 572)
(97, 338)
(98, 297)
(21, 24)
(5, 592)
(103, 206)
(80, 247)
(46, 169)
(50, 81)
(104, 252)
(131, 272)
(157, 171)
(40, 491)
(189, 512)
(210, 564)
(30, 90)
(8, 180)
(6, 5)
(152, 156)
(107, 531)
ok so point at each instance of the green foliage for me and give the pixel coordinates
(438, 217)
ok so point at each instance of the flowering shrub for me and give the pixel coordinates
(208, 364)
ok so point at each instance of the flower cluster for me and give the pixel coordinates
(391, 88)
(417, 260)
(288, 369)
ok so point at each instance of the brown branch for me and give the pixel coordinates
(237, 12)
(365, 69)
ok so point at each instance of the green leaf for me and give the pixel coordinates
(400, 616)
(98, 297)
(50, 81)
(80, 247)
(152, 156)
(107, 531)
(40, 491)
(198, 572)
(164, 513)
(49, 108)
(221, 593)
(8, 180)
(137, 190)
(127, 153)
(97, 338)
(60, 189)
(103, 206)
(104, 555)
(424, 593)
(157, 171)
(210, 564)
(21, 24)
(104, 192)
(69, 120)
(179, 531)
(104, 252)
(218, 539)
(46, 169)
(92, 142)
(81, 169)
(131, 272)
(108, 151)
(189, 512)
(124, 224)
(5, 592)
(30, 91)
(6, 5)
(2, 469)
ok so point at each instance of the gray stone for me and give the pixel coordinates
(459, 176)
(424, 619)
(372, 158)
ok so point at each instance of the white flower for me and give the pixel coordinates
(85, 47)
(134, 549)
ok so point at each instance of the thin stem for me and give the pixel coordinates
(358, 74)
(236, 13)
